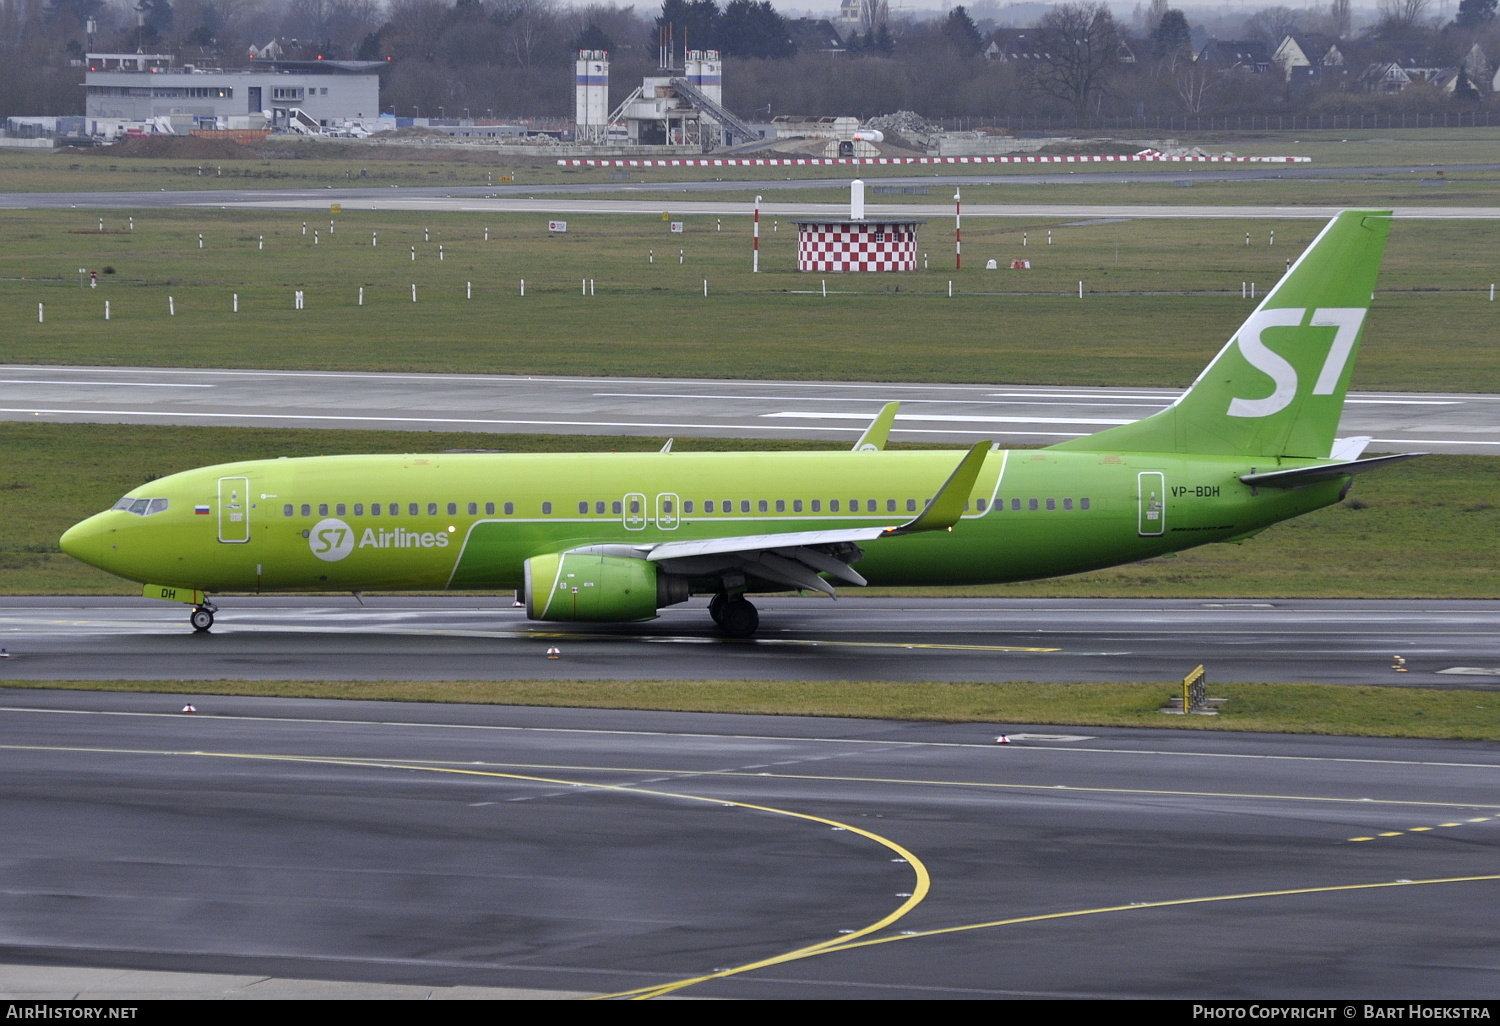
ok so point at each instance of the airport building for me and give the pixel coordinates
(306, 95)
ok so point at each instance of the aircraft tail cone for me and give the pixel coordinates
(188, 709)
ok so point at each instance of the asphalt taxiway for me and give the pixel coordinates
(1445, 644)
(1013, 414)
(261, 841)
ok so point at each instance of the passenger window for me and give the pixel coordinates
(1031, 505)
(890, 505)
(666, 506)
(1067, 504)
(286, 510)
(1015, 504)
(583, 507)
(781, 505)
(306, 510)
(833, 505)
(1083, 504)
(339, 509)
(473, 508)
(323, 509)
(982, 503)
(411, 510)
(374, 509)
(744, 505)
(599, 507)
(911, 506)
(359, 509)
(796, 505)
(872, 505)
(510, 508)
(1051, 505)
(432, 509)
(489, 509)
(616, 508)
(687, 505)
(853, 505)
(635, 505)
(763, 506)
(708, 505)
(547, 508)
(452, 509)
(817, 505)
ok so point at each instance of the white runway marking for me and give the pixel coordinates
(842, 399)
(951, 418)
(106, 384)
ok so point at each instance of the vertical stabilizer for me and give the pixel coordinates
(1277, 388)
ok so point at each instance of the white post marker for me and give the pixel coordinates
(304, 227)
(106, 309)
(1049, 236)
(361, 295)
(330, 227)
(825, 288)
(958, 235)
(1492, 292)
(1080, 290)
(468, 290)
(583, 286)
(486, 235)
(591, 286)
(414, 252)
(41, 317)
(679, 256)
(101, 224)
(413, 292)
(1244, 285)
(374, 239)
(261, 243)
(705, 288)
(1252, 290)
(650, 256)
(523, 286)
(440, 251)
(200, 240)
(1273, 237)
(1247, 238)
(755, 244)
(235, 307)
(132, 224)
(1023, 240)
(950, 288)
(426, 235)
(315, 236)
(171, 307)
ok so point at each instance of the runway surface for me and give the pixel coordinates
(1446, 644)
(1015, 414)
(596, 852)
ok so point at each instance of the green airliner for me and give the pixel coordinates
(617, 536)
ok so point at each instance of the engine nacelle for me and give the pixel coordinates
(573, 586)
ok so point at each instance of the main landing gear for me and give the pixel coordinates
(202, 618)
(735, 616)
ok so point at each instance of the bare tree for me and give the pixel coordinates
(1271, 25)
(1080, 44)
(1340, 17)
(1402, 14)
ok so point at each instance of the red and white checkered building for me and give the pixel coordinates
(857, 245)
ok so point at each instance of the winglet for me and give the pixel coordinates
(879, 430)
(947, 506)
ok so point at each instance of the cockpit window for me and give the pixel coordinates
(140, 507)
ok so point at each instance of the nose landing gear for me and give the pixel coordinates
(202, 618)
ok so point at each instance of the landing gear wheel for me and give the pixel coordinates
(202, 619)
(716, 608)
(738, 619)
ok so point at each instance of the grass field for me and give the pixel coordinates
(1280, 708)
(337, 164)
(1160, 298)
(1427, 528)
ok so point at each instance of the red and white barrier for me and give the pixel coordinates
(1133, 158)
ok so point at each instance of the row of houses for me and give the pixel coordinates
(1305, 58)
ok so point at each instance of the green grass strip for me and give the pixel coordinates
(1272, 708)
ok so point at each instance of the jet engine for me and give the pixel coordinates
(572, 586)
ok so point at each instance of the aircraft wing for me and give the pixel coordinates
(797, 558)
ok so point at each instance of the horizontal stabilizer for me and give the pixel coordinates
(1300, 476)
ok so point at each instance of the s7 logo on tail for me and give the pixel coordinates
(1346, 320)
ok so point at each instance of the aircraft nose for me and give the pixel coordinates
(88, 541)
